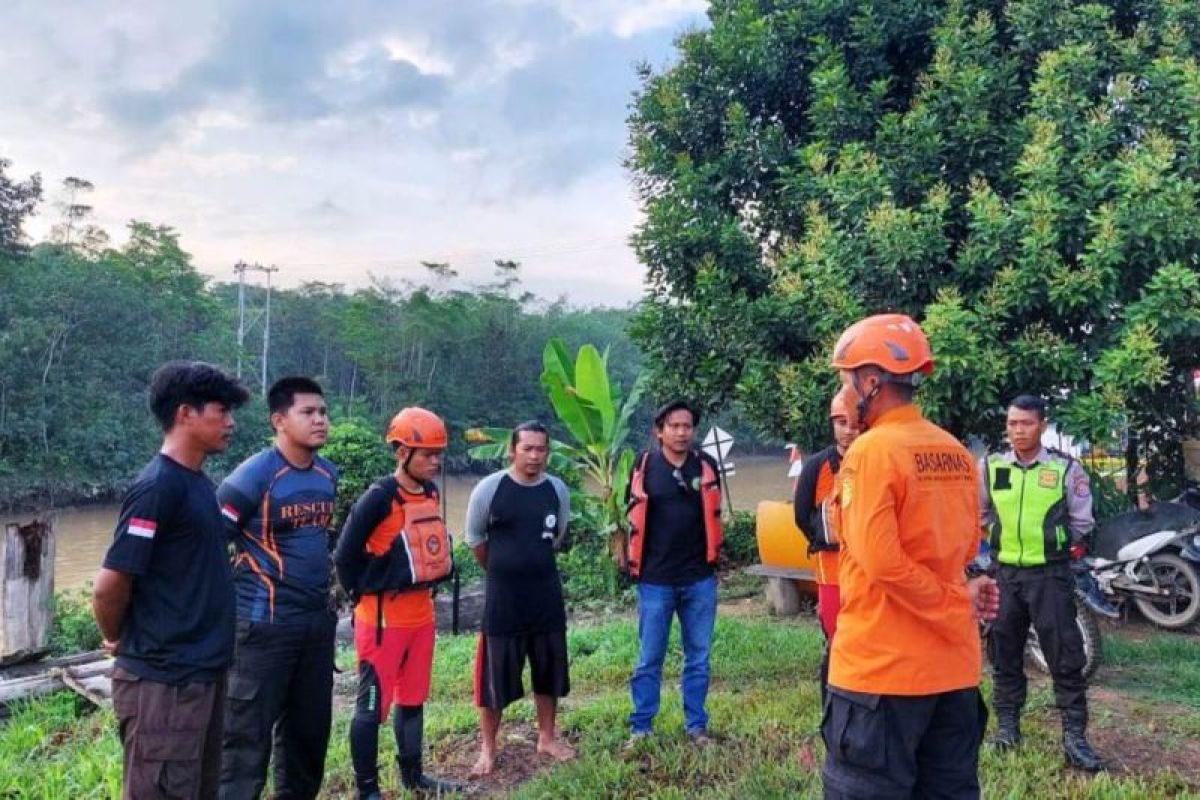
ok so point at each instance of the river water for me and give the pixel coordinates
(83, 532)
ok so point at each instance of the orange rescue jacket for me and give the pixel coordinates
(908, 499)
(710, 499)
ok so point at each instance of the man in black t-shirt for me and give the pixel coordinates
(674, 541)
(515, 518)
(164, 598)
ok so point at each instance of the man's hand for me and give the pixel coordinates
(110, 646)
(985, 597)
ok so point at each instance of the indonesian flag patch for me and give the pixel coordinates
(230, 513)
(141, 527)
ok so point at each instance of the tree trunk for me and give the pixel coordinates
(1131, 467)
(26, 590)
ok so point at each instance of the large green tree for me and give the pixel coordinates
(1020, 176)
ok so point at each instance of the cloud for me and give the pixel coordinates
(362, 131)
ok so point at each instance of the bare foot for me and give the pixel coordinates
(556, 749)
(484, 765)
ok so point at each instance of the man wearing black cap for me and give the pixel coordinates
(674, 539)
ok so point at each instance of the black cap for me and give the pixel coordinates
(660, 416)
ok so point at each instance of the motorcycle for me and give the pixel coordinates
(1149, 558)
(1089, 630)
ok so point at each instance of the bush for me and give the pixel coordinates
(73, 629)
(741, 544)
(361, 456)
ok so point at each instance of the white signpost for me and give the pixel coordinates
(717, 443)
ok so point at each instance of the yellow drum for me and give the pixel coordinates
(780, 543)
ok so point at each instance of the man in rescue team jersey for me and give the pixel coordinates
(278, 506)
(392, 549)
(903, 713)
(814, 487)
(164, 598)
(674, 540)
(515, 518)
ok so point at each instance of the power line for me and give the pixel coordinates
(241, 268)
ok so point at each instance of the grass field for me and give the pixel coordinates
(764, 706)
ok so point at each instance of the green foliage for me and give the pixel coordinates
(83, 326)
(741, 544)
(596, 416)
(1024, 179)
(361, 456)
(73, 628)
(764, 703)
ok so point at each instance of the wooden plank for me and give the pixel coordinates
(791, 573)
(31, 669)
(26, 589)
(52, 680)
(97, 689)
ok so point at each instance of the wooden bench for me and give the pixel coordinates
(784, 592)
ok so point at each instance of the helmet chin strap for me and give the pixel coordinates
(864, 400)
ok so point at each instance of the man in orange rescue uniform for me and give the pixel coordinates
(394, 547)
(814, 486)
(903, 715)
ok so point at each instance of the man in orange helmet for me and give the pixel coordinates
(394, 547)
(814, 486)
(903, 715)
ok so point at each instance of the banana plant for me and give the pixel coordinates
(592, 410)
(594, 414)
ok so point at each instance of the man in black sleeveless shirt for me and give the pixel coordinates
(515, 518)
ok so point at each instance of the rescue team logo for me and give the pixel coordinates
(1047, 478)
(433, 545)
(847, 493)
(548, 525)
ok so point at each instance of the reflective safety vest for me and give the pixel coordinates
(411, 548)
(710, 499)
(1031, 511)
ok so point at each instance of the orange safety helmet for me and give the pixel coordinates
(416, 427)
(892, 342)
(845, 404)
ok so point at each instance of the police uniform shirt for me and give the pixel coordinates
(1078, 491)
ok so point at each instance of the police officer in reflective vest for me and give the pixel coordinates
(1036, 504)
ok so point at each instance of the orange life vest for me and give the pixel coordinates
(710, 500)
(410, 548)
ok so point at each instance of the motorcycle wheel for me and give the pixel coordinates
(1172, 572)
(1093, 644)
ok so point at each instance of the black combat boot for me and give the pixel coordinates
(409, 726)
(368, 788)
(413, 777)
(1079, 752)
(1008, 728)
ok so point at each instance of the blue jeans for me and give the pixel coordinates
(696, 605)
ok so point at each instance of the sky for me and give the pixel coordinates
(341, 140)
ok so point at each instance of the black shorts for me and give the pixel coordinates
(500, 660)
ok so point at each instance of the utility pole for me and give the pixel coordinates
(241, 268)
(267, 328)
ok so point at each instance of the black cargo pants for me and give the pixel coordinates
(1044, 597)
(280, 695)
(891, 747)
